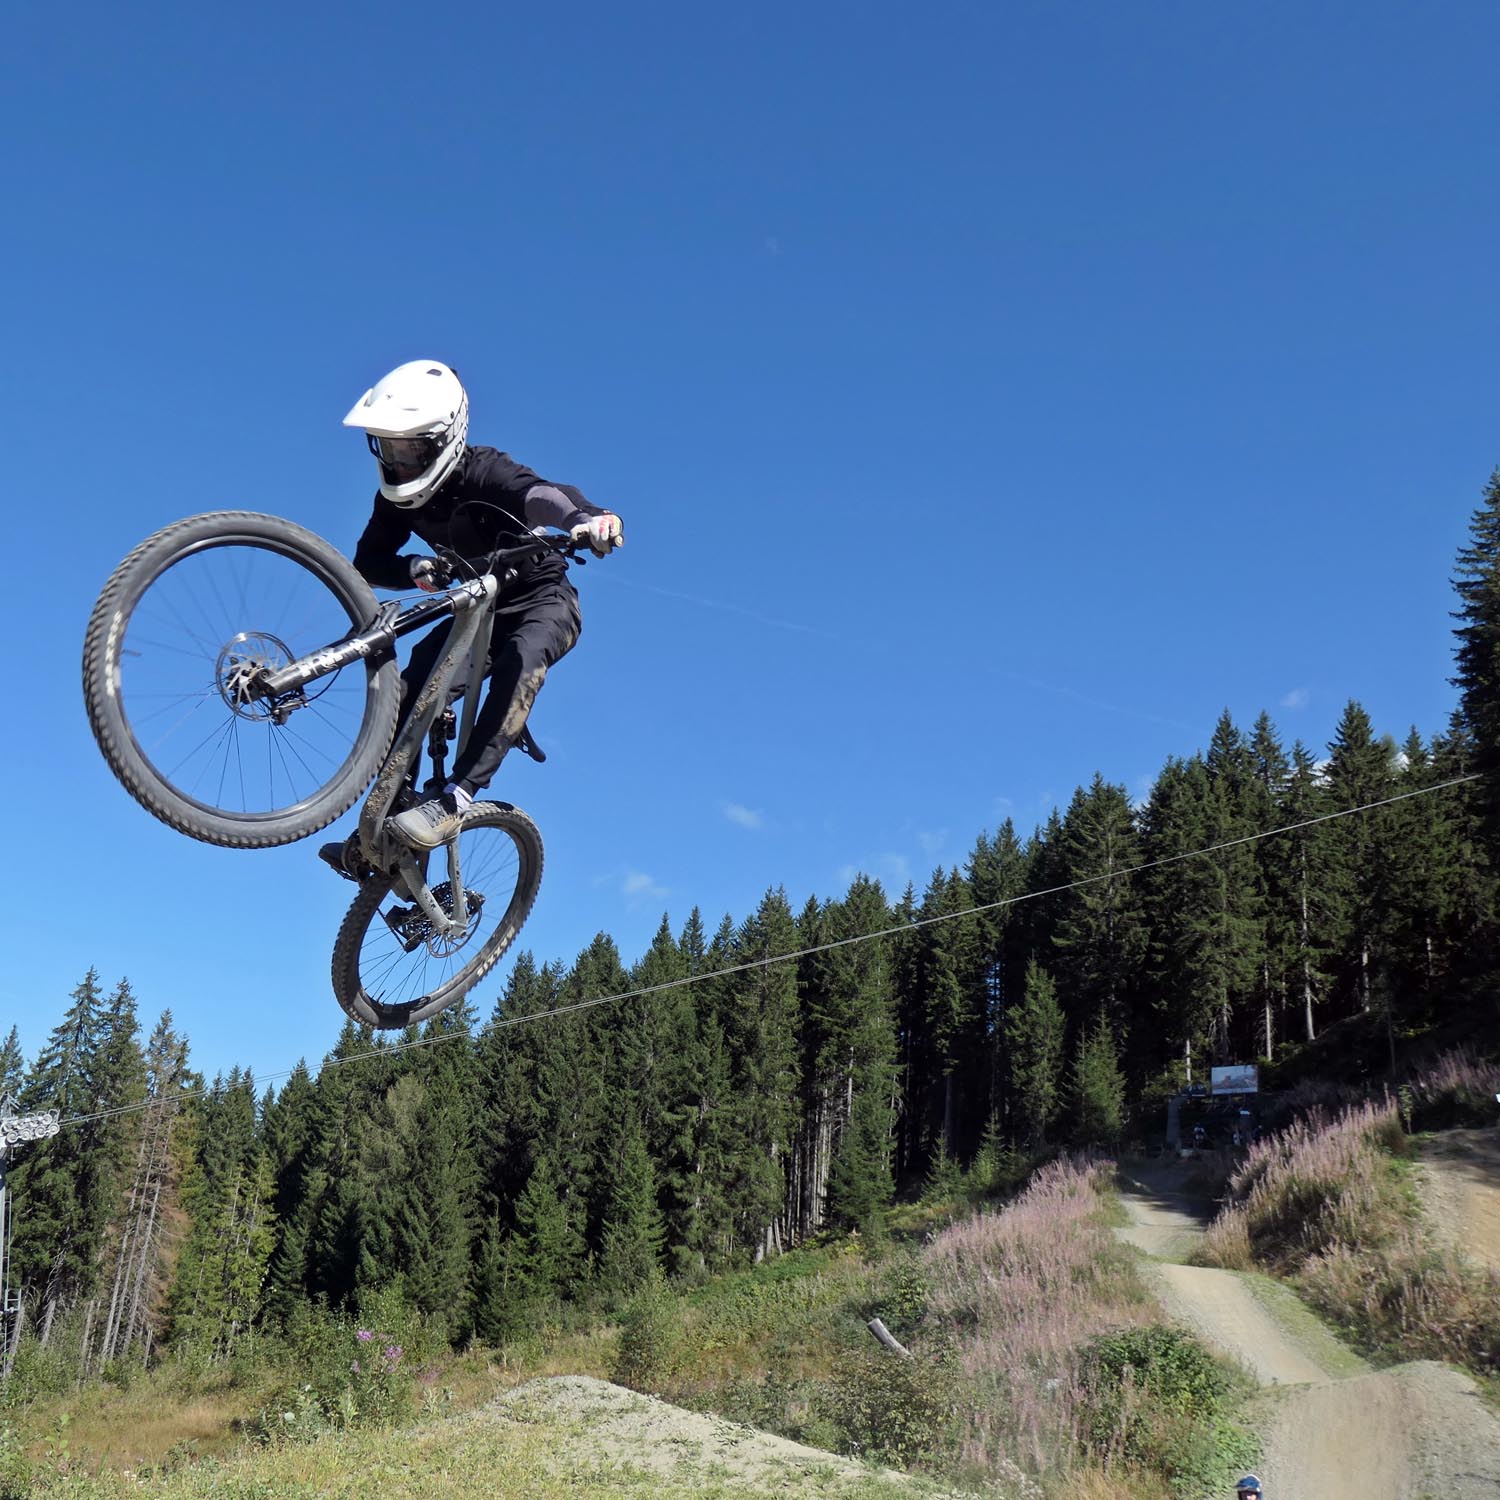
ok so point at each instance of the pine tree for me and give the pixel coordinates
(287, 1132)
(1272, 771)
(549, 1247)
(1098, 1088)
(1235, 920)
(58, 1238)
(223, 1267)
(848, 1063)
(1474, 875)
(710, 1232)
(1179, 897)
(1478, 653)
(435, 1224)
(142, 1246)
(12, 1064)
(1309, 854)
(758, 1011)
(1418, 883)
(633, 1232)
(1360, 772)
(656, 1042)
(1100, 938)
(1034, 1039)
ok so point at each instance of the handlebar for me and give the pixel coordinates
(459, 567)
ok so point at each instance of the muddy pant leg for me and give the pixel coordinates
(526, 642)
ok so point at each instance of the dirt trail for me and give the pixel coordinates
(609, 1428)
(1460, 1188)
(1403, 1434)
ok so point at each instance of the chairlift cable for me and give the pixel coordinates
(574, 1007)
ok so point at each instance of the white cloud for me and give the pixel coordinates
(931, 842)
(1297, 698)
(745, 817)
(893, 871)
(637, 887)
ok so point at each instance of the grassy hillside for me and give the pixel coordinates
(1032, 1343)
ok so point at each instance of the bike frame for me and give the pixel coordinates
(471, 605)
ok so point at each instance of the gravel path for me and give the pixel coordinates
(1416, 1432)
(602, 1424)
(1459, 1183)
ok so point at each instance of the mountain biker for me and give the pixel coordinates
(469, 500)
(1248, 1488)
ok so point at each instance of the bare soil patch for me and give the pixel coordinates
(1459, 1182)
(604, 1424)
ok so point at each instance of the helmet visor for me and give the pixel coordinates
(403, 459)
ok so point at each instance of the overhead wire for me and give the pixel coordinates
(706, 976)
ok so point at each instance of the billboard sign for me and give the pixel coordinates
(1240, 1079)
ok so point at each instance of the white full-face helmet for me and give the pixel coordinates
(416, 421)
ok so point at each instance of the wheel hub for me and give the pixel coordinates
(242, 663)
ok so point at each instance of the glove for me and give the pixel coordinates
(430, 575)
(600, 532)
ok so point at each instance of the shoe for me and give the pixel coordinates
(430, 824)
(346, 858)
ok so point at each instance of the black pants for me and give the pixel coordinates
(531, 633)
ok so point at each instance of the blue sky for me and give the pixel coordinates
(993, 394)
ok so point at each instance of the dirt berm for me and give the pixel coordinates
(1337, 1430)
(606, 1427)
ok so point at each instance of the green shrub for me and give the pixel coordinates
(15, 1471)
(343, 1374)
(37, 1374)
(902, 1293)
(1157, 1399)
(650, 1339)
(885, 1407)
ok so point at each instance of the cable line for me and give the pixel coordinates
(501, 1023)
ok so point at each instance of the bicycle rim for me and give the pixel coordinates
(213, 613)
(391, 970)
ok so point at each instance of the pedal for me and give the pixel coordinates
(339, 858)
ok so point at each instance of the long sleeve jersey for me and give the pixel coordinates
(489, 501)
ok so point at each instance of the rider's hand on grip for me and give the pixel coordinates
(430, 575)
(601, 533)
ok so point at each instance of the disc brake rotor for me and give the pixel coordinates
(241, 662)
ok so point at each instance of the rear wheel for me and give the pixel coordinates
(178, 635)
(392, 969)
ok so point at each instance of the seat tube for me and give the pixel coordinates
(430, 700)
(479, 660)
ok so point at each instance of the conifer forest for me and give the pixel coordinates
(518, 1152)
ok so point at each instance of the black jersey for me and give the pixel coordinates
(480, 506)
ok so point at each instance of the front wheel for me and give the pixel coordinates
(392, 968)
(181, 633)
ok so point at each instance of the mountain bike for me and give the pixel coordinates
(241, 681)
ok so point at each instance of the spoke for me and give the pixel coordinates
(219, 731)
(137, 641)
(166, 708)
(240, 763)
(287, 740)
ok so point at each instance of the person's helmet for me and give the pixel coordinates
(415, 420)
(1249, 1485)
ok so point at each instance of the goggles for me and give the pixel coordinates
(405, 458)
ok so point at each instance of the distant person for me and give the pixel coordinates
(1248, 1488)
(469, 500)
